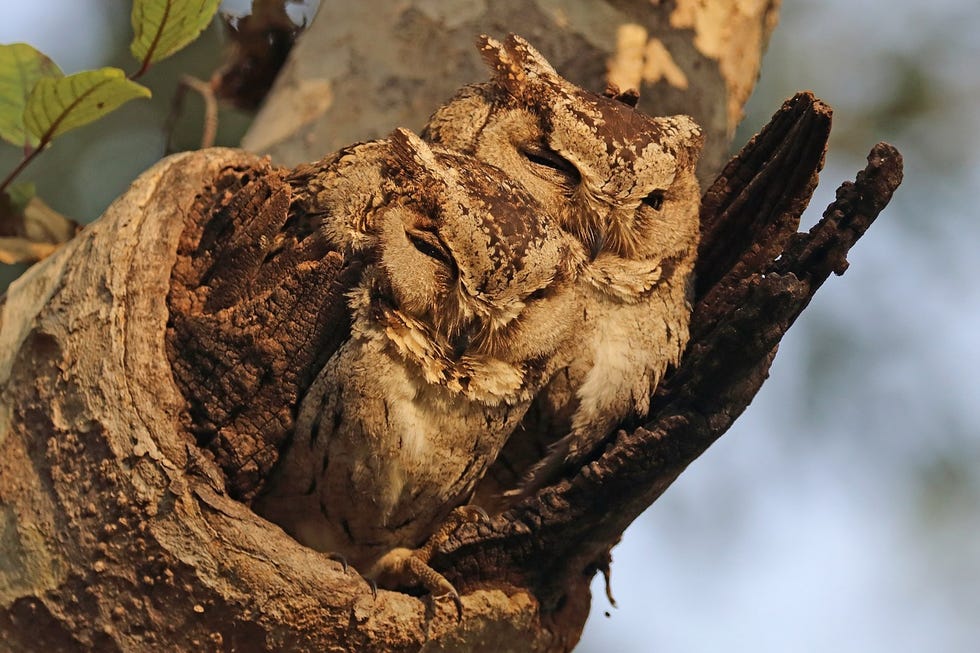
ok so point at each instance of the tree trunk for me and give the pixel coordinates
(119, 531)
(363, 68)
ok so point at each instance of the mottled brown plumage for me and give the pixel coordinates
(623, 183)
(465, 303)
(542, 251)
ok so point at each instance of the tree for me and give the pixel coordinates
(119, 531)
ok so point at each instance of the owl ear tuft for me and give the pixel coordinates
(410, 157)
(630, 97)
(516, 65)
(519, 69)
(408, 147)
(421, 179)
(685, 137)
(525, 55)
(506, 72)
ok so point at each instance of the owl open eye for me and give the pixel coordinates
(547, 158)
(428, 243)
(654, 200)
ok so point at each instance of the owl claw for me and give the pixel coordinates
(336, 557)
(468, 514)
(402, 567)
(459, 606)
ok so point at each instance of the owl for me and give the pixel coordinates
(624, 185)
(464, 308)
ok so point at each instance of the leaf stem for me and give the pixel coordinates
(23, 164)
(143, 68)
(47, 137)
(145, 64)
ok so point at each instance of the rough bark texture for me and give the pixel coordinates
(365, 67)
(252, 319)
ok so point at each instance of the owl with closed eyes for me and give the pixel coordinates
(463, 312)
(623, 184)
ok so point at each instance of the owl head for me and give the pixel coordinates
(464, 244)
(466, 267)
(619, 180)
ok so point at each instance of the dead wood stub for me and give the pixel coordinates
(256, 308)
(755, 204)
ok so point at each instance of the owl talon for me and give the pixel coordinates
(459, 606)
(336, 557)
(468, 514)
(410, 568)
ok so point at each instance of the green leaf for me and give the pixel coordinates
(21, 66)
(162, 27)
(58, 105)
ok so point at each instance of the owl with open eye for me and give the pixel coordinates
(623, 184)
(463, 312)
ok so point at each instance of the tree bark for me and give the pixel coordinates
(120, 532)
